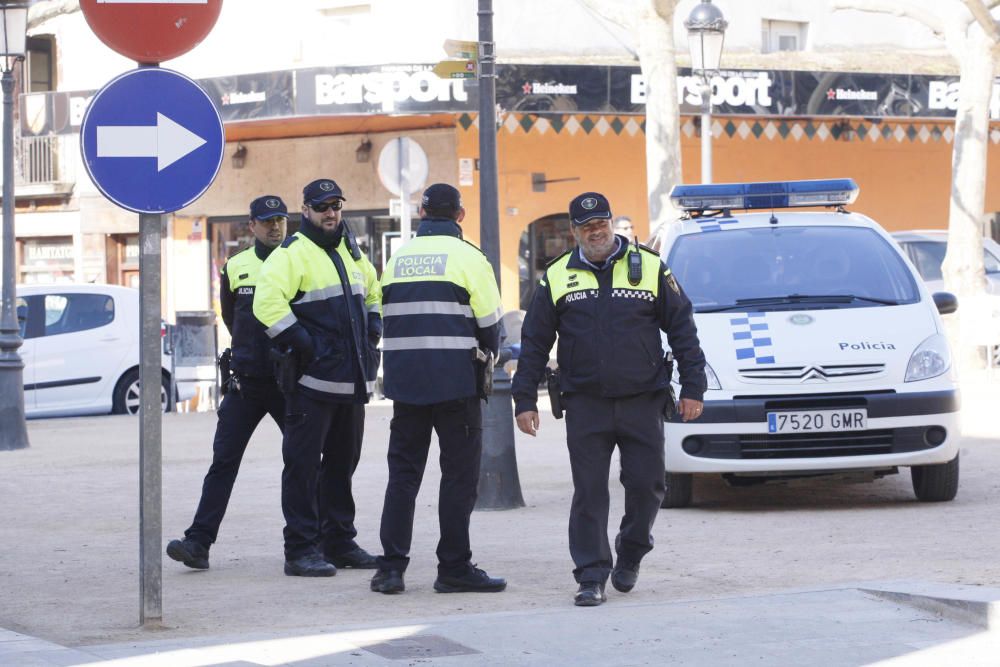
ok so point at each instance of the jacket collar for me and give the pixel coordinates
(261, 250)
(316, 235)
(439, 227)
(576, 260)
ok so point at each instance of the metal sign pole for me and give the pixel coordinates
(404, 189)
(150, 423)
(499, 484)
(489, 198)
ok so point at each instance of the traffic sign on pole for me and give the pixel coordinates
(151, 31)
(456, 69)
(152, 140)
(459, 49)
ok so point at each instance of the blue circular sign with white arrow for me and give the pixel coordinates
(152, 140)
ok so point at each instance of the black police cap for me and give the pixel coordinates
(589, 206)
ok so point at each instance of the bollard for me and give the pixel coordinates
(499, 485)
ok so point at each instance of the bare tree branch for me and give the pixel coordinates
(982, 15)
(933, 23)
(40, 12)
(610, 10)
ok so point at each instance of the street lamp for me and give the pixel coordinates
(13, 433)
(706, 34)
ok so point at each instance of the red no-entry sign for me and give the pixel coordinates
(151, 31)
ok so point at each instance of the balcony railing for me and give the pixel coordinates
(44, 166)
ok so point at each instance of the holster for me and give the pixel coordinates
(483, 362)
(286, 368)
(226, 371)
(670, 407)
(555, 392)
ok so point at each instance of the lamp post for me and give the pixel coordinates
(706, 34)
(13, 433)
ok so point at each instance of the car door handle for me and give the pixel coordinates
(108, 339)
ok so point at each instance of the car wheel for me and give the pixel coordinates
(126, 397)
(935, 483)
(679, 489)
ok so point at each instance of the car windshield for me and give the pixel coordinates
(788, 268)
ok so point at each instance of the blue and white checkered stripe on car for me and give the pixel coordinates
(714, 224)
(752, 339)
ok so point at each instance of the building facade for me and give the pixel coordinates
(798, 102)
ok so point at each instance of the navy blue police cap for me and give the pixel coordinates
(442, 196)
(321, 190)
(267, 207)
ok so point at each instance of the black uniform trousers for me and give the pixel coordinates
(239, 414)
(594, 425)
(459, 426)
(322, 446)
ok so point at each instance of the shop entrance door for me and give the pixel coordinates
(544, 240)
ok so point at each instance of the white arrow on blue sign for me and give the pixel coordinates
(152, 140)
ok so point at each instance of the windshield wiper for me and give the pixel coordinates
(742, 304)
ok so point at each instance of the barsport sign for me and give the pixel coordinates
(402, 89)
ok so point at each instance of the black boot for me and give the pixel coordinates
(189, 552)
(473, 580)
(388, 581)
(590, 594)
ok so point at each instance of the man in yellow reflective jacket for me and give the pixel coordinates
(608, 301)
(252, 393)
(319, 298)
(441, 306)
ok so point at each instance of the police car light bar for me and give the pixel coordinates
(777, 194)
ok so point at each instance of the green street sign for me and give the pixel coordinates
(458, 49)
(456, 69)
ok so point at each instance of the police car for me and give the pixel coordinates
(825, 350)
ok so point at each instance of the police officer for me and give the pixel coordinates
(318, 296)
(441, 307)
(252, 392)
(595, 296)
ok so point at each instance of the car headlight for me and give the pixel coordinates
(713, 379)
(930, 359)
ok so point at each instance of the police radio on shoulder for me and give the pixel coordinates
(768, 195)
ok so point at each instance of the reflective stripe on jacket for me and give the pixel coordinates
(337, 300)
(250, 343)
(608, 330)
(440, 300)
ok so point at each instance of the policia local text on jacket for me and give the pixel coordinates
(440, 301)
(319, 295)
(252, 393)
(614, 380)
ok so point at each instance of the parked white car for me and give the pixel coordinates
(81, 351)
(825, 350)
(926, 249)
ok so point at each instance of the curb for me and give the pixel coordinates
(974, 605)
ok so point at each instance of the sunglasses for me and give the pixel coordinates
(335, 205)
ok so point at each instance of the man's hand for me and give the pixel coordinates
(528, 422)
(689, 409)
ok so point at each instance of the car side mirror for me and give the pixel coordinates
(946, 302)
(22, 313)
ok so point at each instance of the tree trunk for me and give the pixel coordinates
(663, 146)
(963, 264)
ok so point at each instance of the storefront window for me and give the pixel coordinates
(47, 260)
